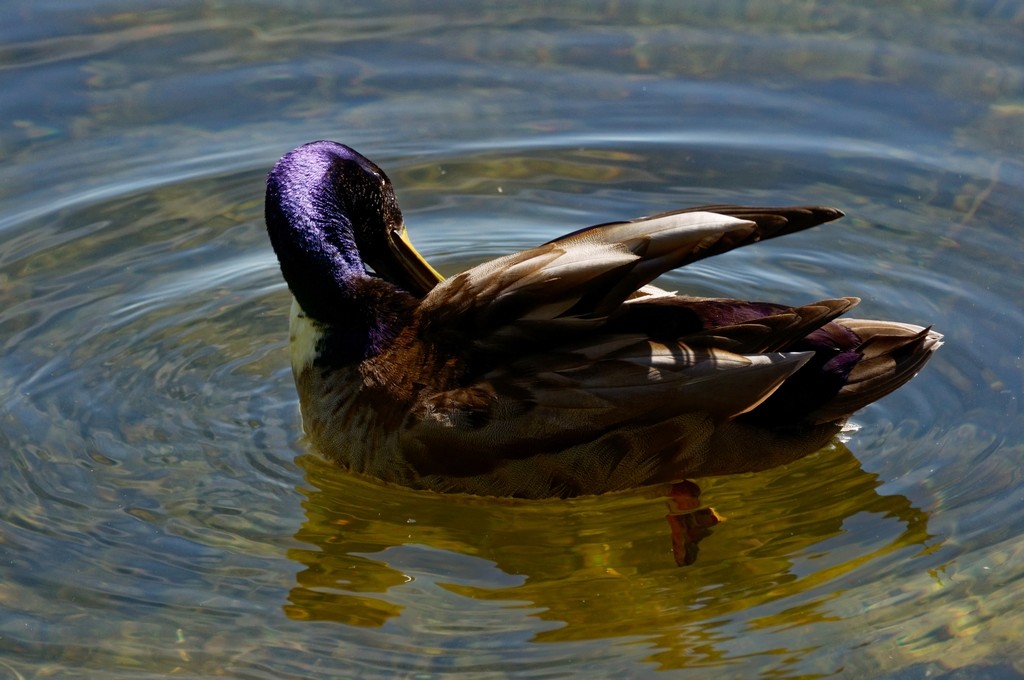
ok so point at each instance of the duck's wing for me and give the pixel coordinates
(573, 283)
(558, 361)
(736, 325)
(587, 418)
(769, 223)
(721, 358)
(542, 370)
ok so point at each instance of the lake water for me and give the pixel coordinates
(160, 515)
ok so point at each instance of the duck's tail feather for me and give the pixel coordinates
(856, 362)
(891, 353)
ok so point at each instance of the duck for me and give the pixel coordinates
(560, 370)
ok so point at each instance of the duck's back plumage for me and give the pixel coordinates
(560, 371)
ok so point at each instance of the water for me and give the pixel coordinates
(160, 513)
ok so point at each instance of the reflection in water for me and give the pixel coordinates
(585, 565)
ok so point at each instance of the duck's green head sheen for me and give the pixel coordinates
(328, 211)
(331, 213)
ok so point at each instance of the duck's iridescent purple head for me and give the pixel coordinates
(330, 213)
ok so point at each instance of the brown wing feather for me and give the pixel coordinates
(566, 283)
(543, 403)
(735, 325)
(769, 223)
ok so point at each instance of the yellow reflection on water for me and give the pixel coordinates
(603, 567)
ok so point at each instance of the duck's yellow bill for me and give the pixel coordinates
(419, 277)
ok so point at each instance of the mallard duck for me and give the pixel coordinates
(559, 370)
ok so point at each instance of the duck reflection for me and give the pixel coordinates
(600, 566)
